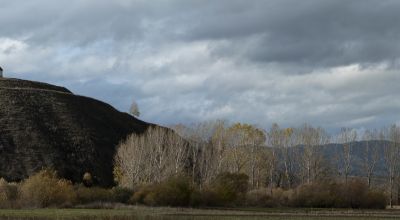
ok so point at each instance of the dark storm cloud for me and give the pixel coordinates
(329, 62)
(313, 33)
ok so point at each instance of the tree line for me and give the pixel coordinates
(279, 158)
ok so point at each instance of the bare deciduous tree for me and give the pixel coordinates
(392, 154)
(218, 143)
(288, 154)
(274, 141)
(207, 149)
(134, 109)
(245, 143)
(371, 154)
(312, 160)
(347, 137)
(150, 157)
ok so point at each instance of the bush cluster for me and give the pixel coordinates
(45, 189)
(175, 191)
(227, 190)
(354, 194)
(267, 197)
(87, 195)
(8, 194)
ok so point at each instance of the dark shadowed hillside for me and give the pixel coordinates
(42, 125)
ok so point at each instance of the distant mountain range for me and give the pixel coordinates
(333, 154)
(358, 154)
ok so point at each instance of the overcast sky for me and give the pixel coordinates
(331, 63)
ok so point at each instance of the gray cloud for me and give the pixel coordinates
(330, 63)
(314, 33)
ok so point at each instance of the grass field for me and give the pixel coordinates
(144, 213)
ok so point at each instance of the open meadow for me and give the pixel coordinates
(144, 213)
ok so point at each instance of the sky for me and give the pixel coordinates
(330, 63)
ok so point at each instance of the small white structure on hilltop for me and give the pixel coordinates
(1, 72)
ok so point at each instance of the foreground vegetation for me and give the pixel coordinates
(45, 189)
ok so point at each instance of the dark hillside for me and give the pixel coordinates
(42, 125)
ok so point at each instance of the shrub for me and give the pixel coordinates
(196, 198)
(139, 196)
(313, 195)
(230, 188)
(151, 199)
(259, 198)
(45, 189)
(206, 197)
(93, 194)
(263, 198)
(354, 194)
(376, 199)
(8, 193)
(175, 191)
(121, 195)
(87, 179)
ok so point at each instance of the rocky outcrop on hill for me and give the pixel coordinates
(46, 126)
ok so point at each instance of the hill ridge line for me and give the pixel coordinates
(36, 89)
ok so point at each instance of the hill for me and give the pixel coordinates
(333, 154)
(43, 125)
(358, 154)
